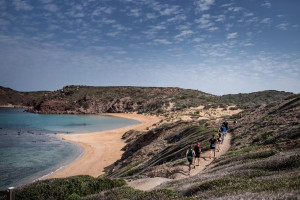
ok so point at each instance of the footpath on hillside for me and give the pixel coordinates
(147, 184)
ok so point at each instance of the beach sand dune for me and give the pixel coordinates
(100, 148)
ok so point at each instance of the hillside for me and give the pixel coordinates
(263, 161)
(27, 99)
(155, 100)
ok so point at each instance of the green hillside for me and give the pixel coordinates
(92, 100)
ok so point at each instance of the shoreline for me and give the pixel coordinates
(101, 149)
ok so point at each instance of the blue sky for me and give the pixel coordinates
(215, 46)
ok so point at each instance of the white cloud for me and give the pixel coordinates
(248, 14)
(170, 10)
(134, 12)
(113, 34)
(150, 16)
(100, 10)
(22, 5)
(162, 41)
(184, 26)
(205, 23)
(159, 27)
(266, 4)
(202, 5)
(120, 27)
(220, 18)
(198, 39)
(184, 33)
(235, 9)
(232, 35)
(266, 21)
(283, 26)
(108, 21)
(177, 18)
(51, 7)
(214, 28)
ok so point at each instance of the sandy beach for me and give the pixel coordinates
(101, 148)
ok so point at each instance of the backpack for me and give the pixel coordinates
(190, 153)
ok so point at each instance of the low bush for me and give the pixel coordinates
(67, 188)
(282, 164)
(261, 154)
(130, 193)
(238, 185)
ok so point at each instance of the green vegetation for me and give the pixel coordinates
(79, 99)
(239, 185)
(67, 188)
(130, 193)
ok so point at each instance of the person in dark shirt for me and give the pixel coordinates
(234, 122)
(213, 142)
(225, 123)
(197, 150)
(190, 153)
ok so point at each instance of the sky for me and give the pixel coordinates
(216, 46)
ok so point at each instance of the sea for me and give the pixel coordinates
(30, 148)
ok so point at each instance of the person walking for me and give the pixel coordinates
(225, 123)
(197, 150)
(213, 141)
(234, 122)
(190, 153)
(220, 140)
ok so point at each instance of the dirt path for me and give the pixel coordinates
(150, 183)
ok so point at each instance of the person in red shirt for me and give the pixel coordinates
(197, 150)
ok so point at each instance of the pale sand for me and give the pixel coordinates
(101, 149)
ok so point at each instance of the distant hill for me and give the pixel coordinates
(88, 99)
(246, 100)
(12, 97)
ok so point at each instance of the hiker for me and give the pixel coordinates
(190, 153)
(234, 122)
(220, 140)
(223, 131)
(225, 123)
(213, 141)
(197, 150)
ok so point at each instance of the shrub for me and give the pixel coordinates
(66, 187)
(130, 193)
(289, 163)
(262, 154)
(74, 196)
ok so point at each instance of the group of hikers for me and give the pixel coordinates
(193, 155)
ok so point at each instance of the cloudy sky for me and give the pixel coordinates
(216, 46)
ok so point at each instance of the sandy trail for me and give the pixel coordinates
(205, 160)
(147, 184)
(101, 149)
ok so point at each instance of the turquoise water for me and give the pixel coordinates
(31, 149)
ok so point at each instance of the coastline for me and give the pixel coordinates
(102, 148)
